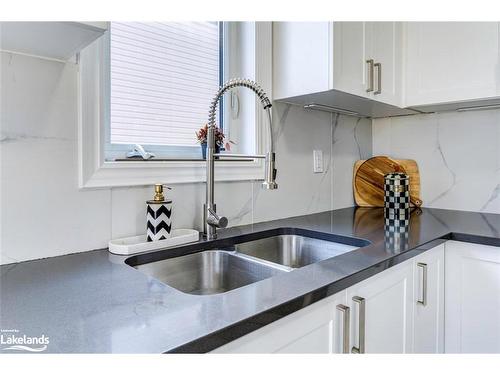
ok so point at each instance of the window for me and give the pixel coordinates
(162, 78)
(245, 50)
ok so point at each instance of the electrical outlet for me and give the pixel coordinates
(318, 161)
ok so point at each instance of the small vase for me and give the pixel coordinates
(204, 150)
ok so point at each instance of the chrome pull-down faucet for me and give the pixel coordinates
(211, 220)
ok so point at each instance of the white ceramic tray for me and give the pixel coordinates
(138, 244)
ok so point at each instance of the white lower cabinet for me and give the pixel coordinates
(382, 307)
(314, 329)
(428, 290)
(446, 299)
(472, 304)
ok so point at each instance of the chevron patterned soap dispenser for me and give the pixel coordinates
(159, 216)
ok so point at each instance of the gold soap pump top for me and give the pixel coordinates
(159, 193)
(159, 196)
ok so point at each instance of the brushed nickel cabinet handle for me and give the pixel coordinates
(370, 75)
(346, 326)
(378, 66)
(423, 301)
(361, 325)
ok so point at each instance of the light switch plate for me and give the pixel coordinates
(318, 161)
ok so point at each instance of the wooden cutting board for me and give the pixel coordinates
(368, 180)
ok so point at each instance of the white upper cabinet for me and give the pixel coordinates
(381, 69)
(352, 66)
(349, 58)
(384, 40)
(448, 62)
(301, 58)
(367, 60)
(54, 40)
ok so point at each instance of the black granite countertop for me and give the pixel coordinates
(93, 302)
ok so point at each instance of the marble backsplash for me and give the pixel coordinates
(43, 213)
(458, 154)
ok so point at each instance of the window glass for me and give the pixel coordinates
(162, 79)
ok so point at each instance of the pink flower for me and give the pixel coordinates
(201, 135)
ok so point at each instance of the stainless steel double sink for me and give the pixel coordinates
(227, 268)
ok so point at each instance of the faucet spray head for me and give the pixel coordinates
(270, 181)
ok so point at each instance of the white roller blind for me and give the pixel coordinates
(163, 77)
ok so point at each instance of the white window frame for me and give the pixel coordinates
(96, 172)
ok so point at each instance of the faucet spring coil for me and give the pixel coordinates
(232, 83)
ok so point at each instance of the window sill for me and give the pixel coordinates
(140, 173)
(156, 160)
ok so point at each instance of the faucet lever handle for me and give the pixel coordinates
(215, 220)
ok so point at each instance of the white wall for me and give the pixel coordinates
(458, 154)
(43, 213)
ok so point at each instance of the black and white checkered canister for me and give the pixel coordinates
(397, 199)
(159, 220)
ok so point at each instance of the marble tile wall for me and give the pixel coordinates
(458, 155)
(43, 213)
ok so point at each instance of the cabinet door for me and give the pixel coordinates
(428, 319)
(301, 58)
(388, 305)
(317, 328)
(385, 46)
(472, 302)
(451, 61)
(350, 69)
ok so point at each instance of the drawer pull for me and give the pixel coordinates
(346, 327)
(361, 325)
(370, 75)
(423, 301)
(378, 66)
